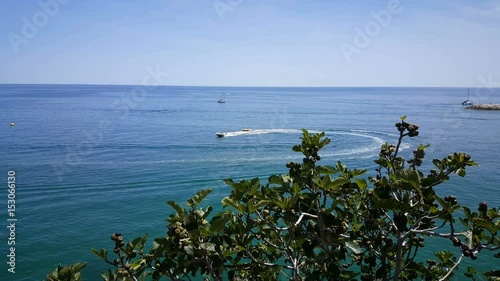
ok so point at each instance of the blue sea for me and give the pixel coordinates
(90, 160)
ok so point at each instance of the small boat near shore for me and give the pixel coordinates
(467, 102)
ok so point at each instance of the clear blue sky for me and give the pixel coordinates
(252, 42)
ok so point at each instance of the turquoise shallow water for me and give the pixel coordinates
(92, 160)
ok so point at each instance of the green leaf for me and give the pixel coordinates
(438, 164)
(218, 223)
(251, 206)
(467, 212)
(290, 202)
(485, 223)
(176, 207)
(296, 188)
(100, 253)
(349, 275)
(189, 249)
(262, 203)
(208, 210)
(200, 195)
(353, 245)
(414, 178)
(361, 183)
(280, 203)
(389, 204)
(274, 179)
(78, 266)
(233, 203)
(160, 244)
(64, 273)
(464, 222)
(493, 273)
(327, 170)
(358, 172)
(444, 256)
(336, 183)
(109, 276)
(443, 203)
(228, 181)
(136, 241)
(205, 231)
(208, 246)
(137, 264)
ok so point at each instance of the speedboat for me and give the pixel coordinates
(220, 134)
(246, 129)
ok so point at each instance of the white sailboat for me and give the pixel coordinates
(222, 100)
(467, 102)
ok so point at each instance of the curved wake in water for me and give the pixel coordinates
(365, 151)
(355, 144)
(262, 132)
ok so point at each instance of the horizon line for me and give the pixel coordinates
(212, 86)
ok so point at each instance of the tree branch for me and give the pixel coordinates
(490, 248)
(298, 221)
(452, 269)
(391, 220)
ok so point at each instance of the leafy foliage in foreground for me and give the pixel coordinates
(320, 223)
(67, 272)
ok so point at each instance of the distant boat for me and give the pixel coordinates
(220, 134)
(12, 124)
(222, 100)
(467, 102)
(246, 129)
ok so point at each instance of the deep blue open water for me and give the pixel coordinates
(92, 160)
